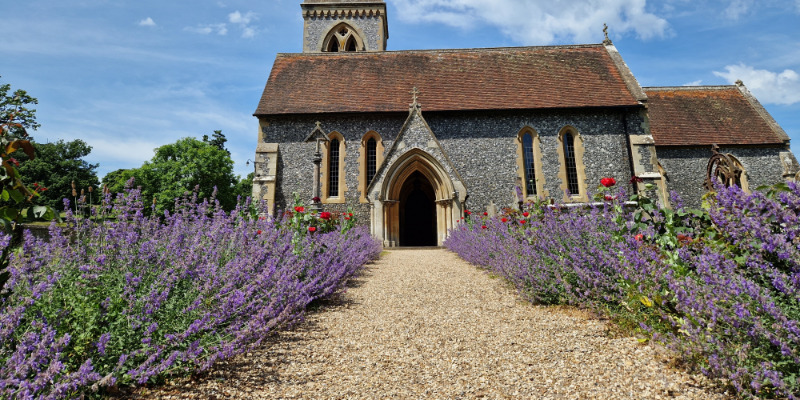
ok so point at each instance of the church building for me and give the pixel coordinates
(410, 140)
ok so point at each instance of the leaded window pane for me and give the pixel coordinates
(530, 170)
(569, 160)
(333, 168)
(372, 159)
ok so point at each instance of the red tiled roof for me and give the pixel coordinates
(705, 115)
(449, 80)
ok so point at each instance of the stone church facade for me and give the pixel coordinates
(410, 140)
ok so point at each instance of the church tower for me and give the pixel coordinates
(344, 25)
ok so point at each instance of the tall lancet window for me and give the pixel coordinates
(528, 160)
(569, 163)
(529, 164)
(372, 159)
(333, 168)
(572, 171)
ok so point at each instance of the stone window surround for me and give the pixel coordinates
(339, 199)
(333, 33)
(362, 162)
(743, 178)
(541, 193)
(579, 166)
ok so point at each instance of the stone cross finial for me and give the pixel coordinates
(414, 93)
(605, 33)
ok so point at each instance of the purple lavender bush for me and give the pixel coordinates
(134, 299)
(721, 287)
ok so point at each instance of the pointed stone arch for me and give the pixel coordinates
(386, 207)
(343, 37)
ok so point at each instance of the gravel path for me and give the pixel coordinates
(423, 324)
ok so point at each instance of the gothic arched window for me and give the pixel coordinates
(333, 182)
(342, 38)
(369, 160)
(572, 171)
(529, 163)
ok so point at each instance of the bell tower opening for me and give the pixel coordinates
(417, 212)
(344, 25)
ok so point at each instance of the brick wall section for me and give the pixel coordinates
(480, 145)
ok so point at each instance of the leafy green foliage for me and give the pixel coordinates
(56, 166)
(15, 119)
(178, 168)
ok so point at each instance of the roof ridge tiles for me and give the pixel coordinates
(682, 87)
(460, 50)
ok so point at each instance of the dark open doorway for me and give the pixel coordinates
(417, 212)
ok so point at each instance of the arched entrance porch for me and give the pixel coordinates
(417, 202)
(417, 209)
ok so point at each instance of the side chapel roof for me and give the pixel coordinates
(450, 80)
(706, 115)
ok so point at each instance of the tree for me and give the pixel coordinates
(218, 141)
(244, 187)
(15, 119)
(56, 166)
(178, 168)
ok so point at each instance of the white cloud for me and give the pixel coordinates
(693, 83)
(147, 22)
(541, 21)
(244, 20)
(248, 32)
(219, 29)
(737, 8)
(769, 87)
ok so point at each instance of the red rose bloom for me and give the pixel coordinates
(325, 215)
(483, 226)
(299, 209)
(522, 221)
(504, 219)
(312, 229)
(258, 232)
(485, 214)
(608, 198)
(468, 212)
(525, 214)
(639, 237)
(608, 182)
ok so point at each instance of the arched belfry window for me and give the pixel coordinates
(529, 163)
(369, 160)
(343, 38)
(333, 175)
(572, 171)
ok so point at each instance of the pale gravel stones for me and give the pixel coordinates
(424, 324)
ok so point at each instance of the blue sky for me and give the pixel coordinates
(129, 76)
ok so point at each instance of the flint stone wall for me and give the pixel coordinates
(480, 145)
(686, 168)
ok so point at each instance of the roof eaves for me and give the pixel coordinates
(625, 72)
(763, 113)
